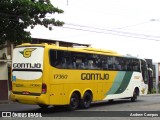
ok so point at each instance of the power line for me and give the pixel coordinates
(133, 25)
(146, 37)
(110, 30)
(110, 8)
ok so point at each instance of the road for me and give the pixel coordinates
(146, 105)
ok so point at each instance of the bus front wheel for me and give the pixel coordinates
(135, 95)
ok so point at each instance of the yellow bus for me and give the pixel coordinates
(48, 75)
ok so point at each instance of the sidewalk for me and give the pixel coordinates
(155, 94)
(6, 102)
(11, 102)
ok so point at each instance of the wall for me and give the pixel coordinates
(5, 61)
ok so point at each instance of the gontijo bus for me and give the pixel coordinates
(47, 75)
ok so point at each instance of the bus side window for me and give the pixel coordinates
(78, 60)
(74, 62)
(110, 63)
(90, 64)
(78, 63)
(104, 63)
(54, 58)
(119, 64)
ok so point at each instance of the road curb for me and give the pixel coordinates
(4, 101)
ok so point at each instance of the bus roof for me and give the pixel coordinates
(90, 49)
(79, 49)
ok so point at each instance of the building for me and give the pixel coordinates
(156, 74)
(5, 65)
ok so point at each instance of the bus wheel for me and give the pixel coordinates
(74, 102)
(43, 106)
(111, 100)
(135, 94)
(86, 101)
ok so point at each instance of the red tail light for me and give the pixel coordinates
(44, 88)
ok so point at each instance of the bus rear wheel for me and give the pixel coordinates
(74, 102)
(86, 101)
(43, 106)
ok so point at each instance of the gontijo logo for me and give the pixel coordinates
(27, 52)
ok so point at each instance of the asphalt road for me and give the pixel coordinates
(145, 106)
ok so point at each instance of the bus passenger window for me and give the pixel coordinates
(90, 64)
(105, 66)
(119, 67)
(78, 63)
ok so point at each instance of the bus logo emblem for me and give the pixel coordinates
(27, 52)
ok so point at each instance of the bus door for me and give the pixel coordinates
(144, 71)
(27, 70)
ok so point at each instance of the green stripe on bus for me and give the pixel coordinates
(124, 83)
(117, 82)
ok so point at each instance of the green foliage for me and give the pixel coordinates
(17, 15)
(154, 90)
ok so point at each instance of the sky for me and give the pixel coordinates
(125, 26)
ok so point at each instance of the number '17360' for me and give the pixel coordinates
(60, 76)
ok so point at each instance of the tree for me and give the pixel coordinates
(17, 15)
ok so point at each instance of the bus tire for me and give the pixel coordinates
(86, 101)
(74, 102)
(111, 100)
(135, 95)
(43, 106)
